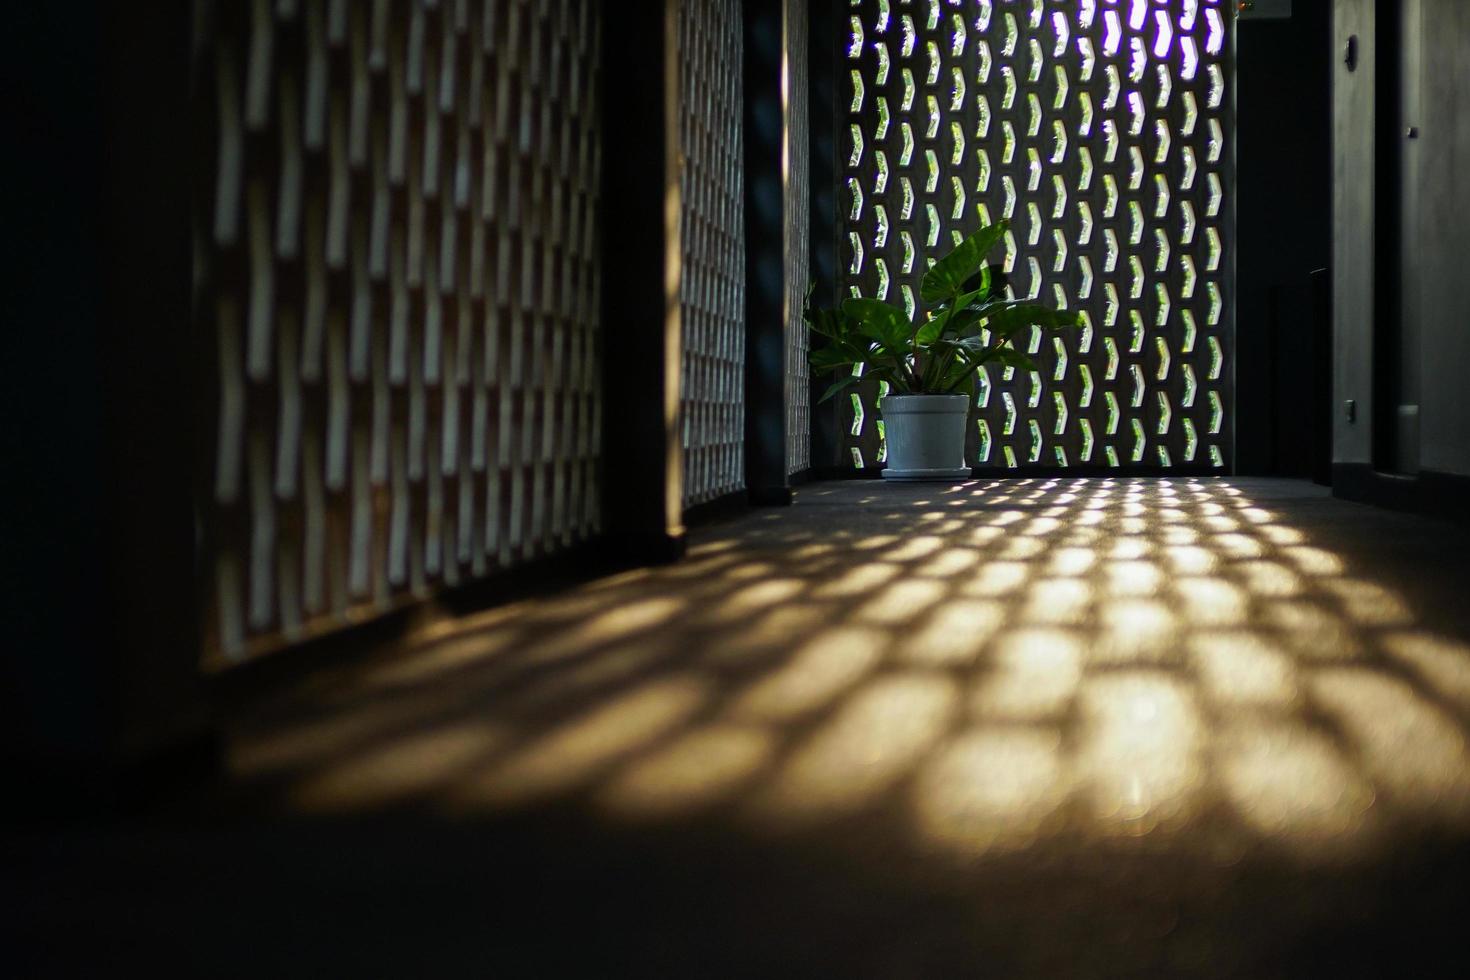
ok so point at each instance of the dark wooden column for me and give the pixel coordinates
(765, 272)
(642, 471)
(822, 45)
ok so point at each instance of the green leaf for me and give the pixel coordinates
(960, 379)
(886, 324)
(971, 347)
(836, 356)
(943, 322)
(968, 321)
(846, 381)
(931, 330)
(1007, 322)
(1010, 357)
(949, 275)
(830, 323)
(959, 376)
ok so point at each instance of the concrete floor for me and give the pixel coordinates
(1030, 728)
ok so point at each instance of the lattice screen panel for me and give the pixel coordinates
(1102, 129)
(397, 284)
(712, 296)
(796, 244)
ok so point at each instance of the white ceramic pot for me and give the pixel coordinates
(926, 436)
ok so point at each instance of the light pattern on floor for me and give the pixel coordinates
(987, 667)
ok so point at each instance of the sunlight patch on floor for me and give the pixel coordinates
(873, 741)
(991, 789)
(1017, 662)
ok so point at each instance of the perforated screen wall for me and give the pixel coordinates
(796, 168)
(397, 289)
(1103, 130)
(712, 294)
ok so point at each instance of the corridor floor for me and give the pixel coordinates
(1023, 728)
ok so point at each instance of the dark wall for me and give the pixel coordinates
(823, 37)
(97, 577)
(1283, 228)
(52, 397)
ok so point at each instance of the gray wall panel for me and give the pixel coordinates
(1436, 246)
(1443, 248)
(1352, 245)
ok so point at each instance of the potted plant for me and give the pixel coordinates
(930, 362)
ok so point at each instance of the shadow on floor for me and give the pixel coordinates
(1020, 728)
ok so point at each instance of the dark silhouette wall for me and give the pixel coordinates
(1283, 224)
(96, 575)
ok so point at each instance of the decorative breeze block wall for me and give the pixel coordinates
(712, 291)
(1103, 130)
(397, 299)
